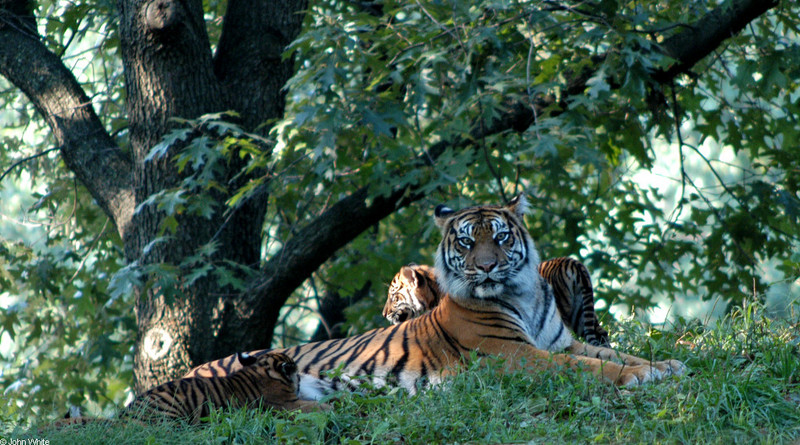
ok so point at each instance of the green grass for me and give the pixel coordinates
(744, 387)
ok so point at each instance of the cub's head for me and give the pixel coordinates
(485, 252)
(413, 291)
(275, 372)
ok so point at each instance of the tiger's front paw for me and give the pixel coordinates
(670, 367)
(640, 374)
(637, 375)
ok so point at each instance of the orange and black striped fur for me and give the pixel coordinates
(414, 290)
(572, 288)
(269, 380)
(496, 304)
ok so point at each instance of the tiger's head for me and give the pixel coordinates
(413, 291)
(276, 382)
(276, 374)
(485, 252)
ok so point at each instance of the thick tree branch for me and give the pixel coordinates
(86, 147)
(351, 216)
(168, 73)
(686, 47)
(305, 252)
(704, 36)
(249, 59)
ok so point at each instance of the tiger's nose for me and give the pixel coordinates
(487, 266)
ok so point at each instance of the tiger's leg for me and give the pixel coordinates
(306, 406)
(618, 374)
(666, 367)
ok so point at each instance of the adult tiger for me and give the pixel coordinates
(270, 380)
(496, 304)
(414, 290)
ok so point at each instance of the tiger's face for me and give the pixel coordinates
(485, 252)
(277, 371)
(413, 291)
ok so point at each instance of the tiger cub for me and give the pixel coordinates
(496, 303)
(270, 380)
(414, 290)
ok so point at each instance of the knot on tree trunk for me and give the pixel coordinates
(161, 15)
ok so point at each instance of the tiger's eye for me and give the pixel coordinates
(502, 237)
(465, 242)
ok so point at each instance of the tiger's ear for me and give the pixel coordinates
(409, 273)
(441, 214)
(246, 359)
(518, 205)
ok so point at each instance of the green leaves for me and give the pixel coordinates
(374, 93)
(202, 151)
(64, 337)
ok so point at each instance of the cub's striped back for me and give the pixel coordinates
(269, 380)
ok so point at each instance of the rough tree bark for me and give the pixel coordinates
(171, 72)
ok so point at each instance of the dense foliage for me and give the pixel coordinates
(423, 94)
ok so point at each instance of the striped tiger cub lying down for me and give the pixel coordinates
(496, 304)
(414, 290)
(270, 380)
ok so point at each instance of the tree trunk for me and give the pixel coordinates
(170, 72)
